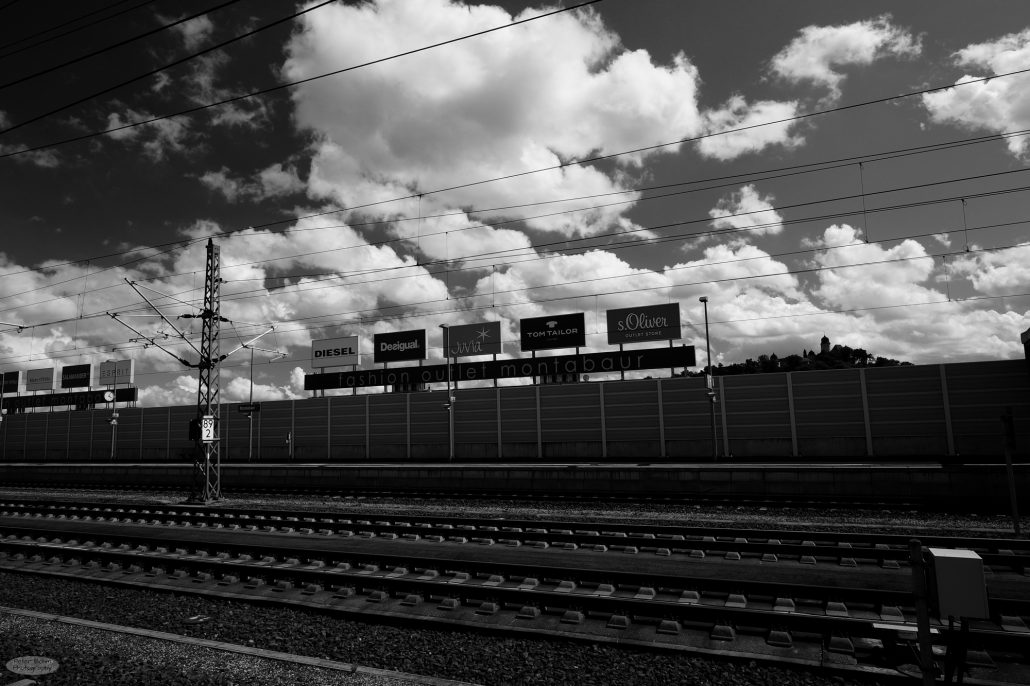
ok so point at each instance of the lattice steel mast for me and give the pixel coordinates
(207, 474)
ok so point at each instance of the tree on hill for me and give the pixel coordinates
(836, 357)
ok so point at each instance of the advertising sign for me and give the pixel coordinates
(76, 376)
(399, 345)
(472, 339)
(558, 331)
(10, 382)
(116, 372)
(39, 379)
(334, 352)
(641, 324)
(588, 363)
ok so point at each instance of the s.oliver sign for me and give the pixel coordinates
(399, 345)
(558, 331)
(639, 324)
(334, 352)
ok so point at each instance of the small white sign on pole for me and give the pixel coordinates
(207, 429)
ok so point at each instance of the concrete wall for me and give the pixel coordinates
(932, 410)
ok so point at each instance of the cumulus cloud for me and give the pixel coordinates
(819, 52)
(749, 211)
(997, 105)
(736, 113)
(891, 276)
(533, 97)
(194, 33)
(996, 272)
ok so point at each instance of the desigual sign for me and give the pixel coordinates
(399, 345)
(558, 331)
(642, 324)
(334, 352)
(473, 339)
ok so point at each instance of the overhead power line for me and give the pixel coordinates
(248, 95)
(70, 31)
(152, 72)
(108, 48)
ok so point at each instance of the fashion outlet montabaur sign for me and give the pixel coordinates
(591, 363)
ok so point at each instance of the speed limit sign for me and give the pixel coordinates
(207, 429)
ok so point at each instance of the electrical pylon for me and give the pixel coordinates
(207, 468)
(206, 483)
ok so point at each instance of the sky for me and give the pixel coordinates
(812, 168)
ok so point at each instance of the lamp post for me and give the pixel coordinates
(450, 397)
(710, 382)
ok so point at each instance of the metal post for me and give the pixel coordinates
(1010, 447)
(250, 415)
(450, 396)
(915, 551)
(710, 383)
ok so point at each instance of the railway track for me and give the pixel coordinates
(821, 599)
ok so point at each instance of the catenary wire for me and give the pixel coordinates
(249, 95)
(70, 31)
(113, 46)
(789, 171)
(169, 65)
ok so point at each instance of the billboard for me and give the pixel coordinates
(399, 345)
(334, 352)
(472, 339)
(589, 363)
(558, 331)
(39, 379)
(642, 324)
(76, 376)
(115, 373)
(10, 382)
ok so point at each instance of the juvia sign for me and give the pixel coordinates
(10, 382)
(399, 345)
(472, 339)
(642, 324)
(557, 331)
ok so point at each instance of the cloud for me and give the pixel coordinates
(274, 181)
(158, 139)
(896, 278)
(996, 105)
(531, 97)
(749, 211)
(737, 114)
(194, 33)
(996, 272)
(817, 54)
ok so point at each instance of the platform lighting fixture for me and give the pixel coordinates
(710, 382)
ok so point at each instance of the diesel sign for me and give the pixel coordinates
(558, 331)
(334, 352)
(399, 345)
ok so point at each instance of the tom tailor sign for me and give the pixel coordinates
(642, 324)
(399, 345)
(612, 361)
(559, 331)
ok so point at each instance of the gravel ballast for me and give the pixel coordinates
(465, 656)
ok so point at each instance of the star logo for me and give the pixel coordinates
(484, 334)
